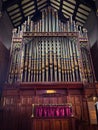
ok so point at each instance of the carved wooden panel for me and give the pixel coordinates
(85, 111)
(65, 125)
(45, 100)
(72, 99)
(50, 100)
(36, 100)
(60, 101)
(57, 125)
(73, 110)
(52, 124)
(30, 100)
(78, 111)
(4, 60)
(38, 125)
(76, 101)
(46, 125)
(40, 100)
(18, 109)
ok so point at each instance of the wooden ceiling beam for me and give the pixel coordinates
(76, 9)
(90, 3)
(21, 10)
(7, 4)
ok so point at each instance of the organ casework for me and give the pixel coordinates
(50, 50)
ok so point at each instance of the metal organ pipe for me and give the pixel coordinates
(39, 60)
(58, 60)
(47, 57)
(49, 54)
(43, 62)
(31, 69)
(53, 21)
(55, 60)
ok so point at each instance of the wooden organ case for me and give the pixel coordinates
(50, 74)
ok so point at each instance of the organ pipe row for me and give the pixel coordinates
(50, 58)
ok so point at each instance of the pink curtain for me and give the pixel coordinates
(52, 111)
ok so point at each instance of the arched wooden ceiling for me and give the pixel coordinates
(18, 10)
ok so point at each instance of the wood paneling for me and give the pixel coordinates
(94, 54)
(52, 124)
(17, 109)
(46, 125)
(4, 60)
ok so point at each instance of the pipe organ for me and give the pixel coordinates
(50, 78)
(50, 50)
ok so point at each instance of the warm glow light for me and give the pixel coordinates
(51, 91)
(94, 98)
